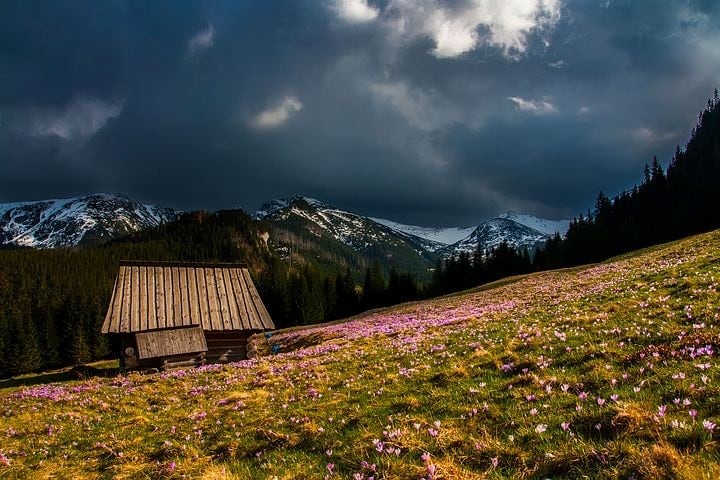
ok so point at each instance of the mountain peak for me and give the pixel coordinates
(361, 233)
(494, 232)
(272, 206)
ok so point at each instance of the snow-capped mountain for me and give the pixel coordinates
(517, 230)
(272, 206)
(356, 231)
(364, 234)
(439, 235)
(548, 227)
(74, 221)
(298, 222)
(492, 233)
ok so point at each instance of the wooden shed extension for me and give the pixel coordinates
(159, 308)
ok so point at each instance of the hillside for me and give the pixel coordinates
(314, 231)
(606, 370)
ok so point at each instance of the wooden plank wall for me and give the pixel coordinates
(176, 341)
(225, 347)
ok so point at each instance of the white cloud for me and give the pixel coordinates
(559, 64)
(453, 36)
(538, 107)
(355, 11)
(78, 120)
(648, 135)
(460, 27)
(201, 41)
(277, 114)
(425, 111)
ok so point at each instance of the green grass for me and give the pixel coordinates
(475, 385)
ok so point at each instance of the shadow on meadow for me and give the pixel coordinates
(78, 372)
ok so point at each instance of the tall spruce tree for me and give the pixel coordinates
(374, 286)
(346, 298)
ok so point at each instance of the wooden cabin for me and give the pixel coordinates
(173, 314)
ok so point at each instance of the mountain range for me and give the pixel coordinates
(365, 233)
(76, 221)
(293, 224)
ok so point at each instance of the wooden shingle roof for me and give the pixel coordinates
(158, 295)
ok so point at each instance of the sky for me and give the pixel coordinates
(429, 112)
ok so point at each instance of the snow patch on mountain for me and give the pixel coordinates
(272, 206)
(440, 235)
(548, 227)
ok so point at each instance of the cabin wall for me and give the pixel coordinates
(227, 346)
(180, 361)
(222, 347)
(130, 360)
(170, 342)
(128, 352)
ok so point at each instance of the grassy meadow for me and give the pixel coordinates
(605, 371)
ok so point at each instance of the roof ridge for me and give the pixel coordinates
(161, 263)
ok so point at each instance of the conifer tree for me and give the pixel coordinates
(374, 286)
(80, 351)
(51, 355)
(5, 342)
(25, 352)
(329, 297)
(657, 174)
(346, 299)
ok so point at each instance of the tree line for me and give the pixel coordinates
(667, 205)
(467, 270)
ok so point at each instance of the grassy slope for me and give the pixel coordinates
(481, 382)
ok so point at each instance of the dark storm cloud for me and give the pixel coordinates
(225, 104)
